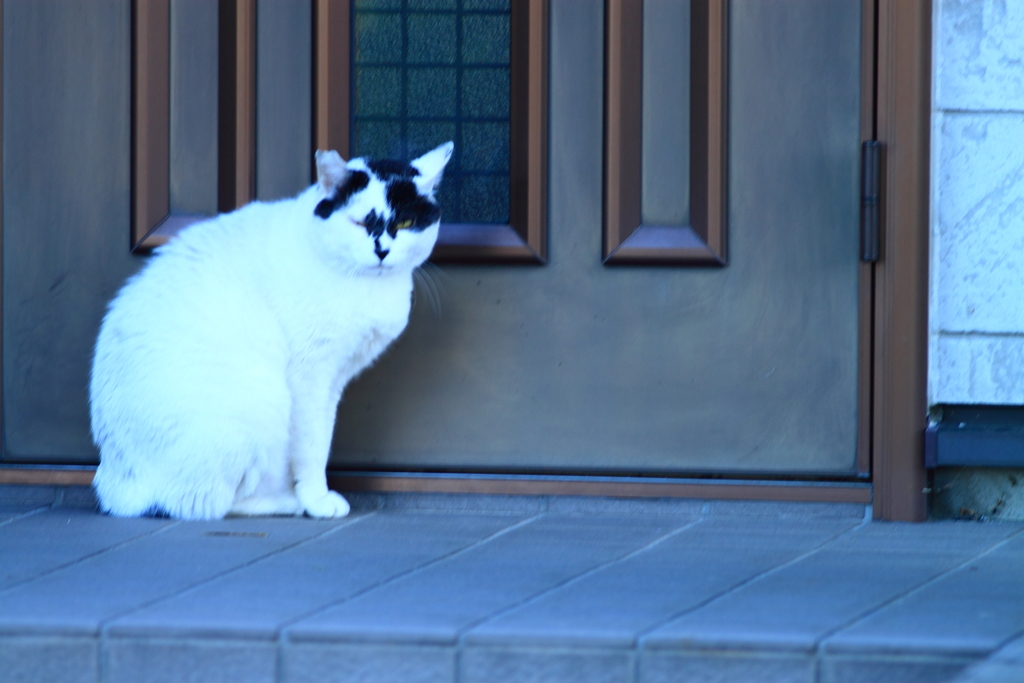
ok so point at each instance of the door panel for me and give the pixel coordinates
(576, 366)
(665, 150)
(66, 213)
(284, 98)
(67, 116)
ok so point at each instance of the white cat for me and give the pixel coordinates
(219, 367)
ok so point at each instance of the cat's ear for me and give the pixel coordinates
(430, 166)
(330, 170)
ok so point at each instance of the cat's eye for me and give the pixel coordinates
(404, 225)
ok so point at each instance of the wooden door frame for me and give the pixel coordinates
(153, 220)
(898, 284)
(900, 364)
(523, 239)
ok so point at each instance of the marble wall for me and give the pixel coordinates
(977, 288)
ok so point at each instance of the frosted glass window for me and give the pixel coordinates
(429, 71)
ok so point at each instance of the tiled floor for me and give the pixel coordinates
(418, 588)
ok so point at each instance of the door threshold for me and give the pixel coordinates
(604, 486)
(47, 475)
(521, 485)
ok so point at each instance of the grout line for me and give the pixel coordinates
(908, 593)
(401, 575)
(27, 513)
(460, 638)
(991, 658)
(638, 645)
(91, 555)
(1005, 642)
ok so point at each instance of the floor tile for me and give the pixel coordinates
(798, 605)
(460, 503)
(615, 604)
(34, 496)
(891, 669)
(784, 510)
(77, 496)
(993, 672)
(430, 590)
(1006, 665)
(724, 667)
(44, 541)
(140, 660)
(436, 604)
(367, 663)
(254, 601)
(596, 505)
(1012, 651)
(75, 600)
(11, 512)
(34, 659)
(969, 612)
(545, 665)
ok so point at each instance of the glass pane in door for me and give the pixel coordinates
(429, 71)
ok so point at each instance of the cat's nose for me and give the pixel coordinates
(381, 253)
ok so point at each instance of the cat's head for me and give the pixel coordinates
(375, 216)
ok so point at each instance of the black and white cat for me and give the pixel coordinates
(219, 367)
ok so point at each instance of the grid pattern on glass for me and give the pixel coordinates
(428, 71)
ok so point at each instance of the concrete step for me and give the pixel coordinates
(445, 588)
(1006, 665)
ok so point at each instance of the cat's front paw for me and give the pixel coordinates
(326, 505)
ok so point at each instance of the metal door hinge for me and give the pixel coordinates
(870, 191)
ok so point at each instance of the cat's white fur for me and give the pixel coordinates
(219, 367)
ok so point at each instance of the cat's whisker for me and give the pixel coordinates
(436, 276)
(436, 271)
(430, 290)
(433, 275)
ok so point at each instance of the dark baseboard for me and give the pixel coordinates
(975, 436)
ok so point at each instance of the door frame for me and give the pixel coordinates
(894, 324)
(900, 364)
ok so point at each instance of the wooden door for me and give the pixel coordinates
(750, 367)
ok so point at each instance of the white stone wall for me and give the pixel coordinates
(977, 260)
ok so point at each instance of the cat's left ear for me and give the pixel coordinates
(430, 166)
(330, 170)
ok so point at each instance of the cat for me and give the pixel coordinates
(219, 367)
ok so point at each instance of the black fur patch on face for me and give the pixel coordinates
(375, 225)
(409, 204)
(389, 169)
(355, 182)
